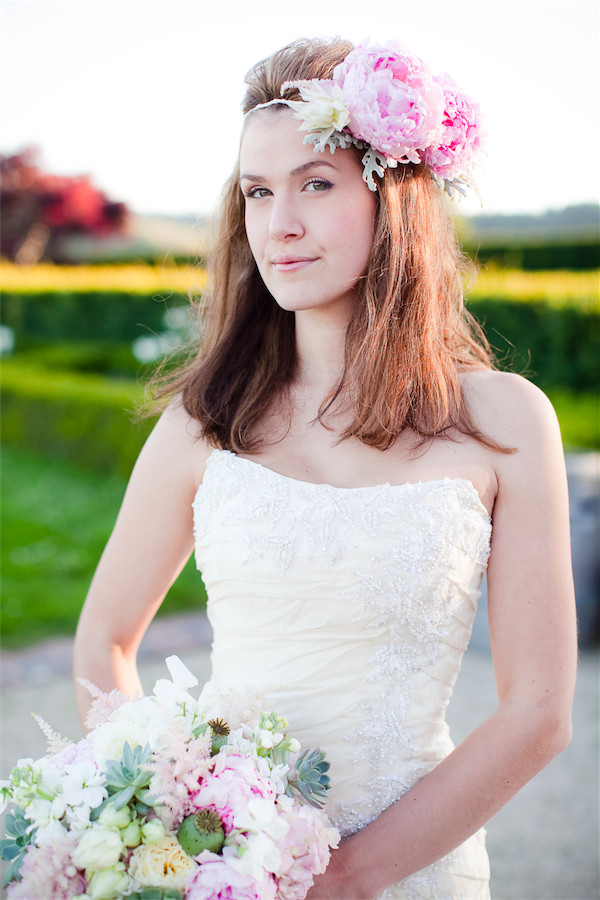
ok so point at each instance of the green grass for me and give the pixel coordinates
(579, 417)
(55, 522)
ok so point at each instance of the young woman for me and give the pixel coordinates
(343, 450)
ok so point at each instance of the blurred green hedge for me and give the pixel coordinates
(98, 357)
(93, 315)
(577, 256)
(83, 419)
(71, 388)
(553, 346)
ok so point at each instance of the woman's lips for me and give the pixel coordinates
(291, 263)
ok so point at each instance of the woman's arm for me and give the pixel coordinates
(149, 546)
(533, 639)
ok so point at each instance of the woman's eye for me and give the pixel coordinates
(318, 184)
(258, 192)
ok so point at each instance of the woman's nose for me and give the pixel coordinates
(285, 222)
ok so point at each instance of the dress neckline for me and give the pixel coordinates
(429, 482)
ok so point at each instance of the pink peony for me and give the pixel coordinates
(48, 873)
(215, 880)
(233, 781)
(460, 138)
(395, 105)
(304, 850)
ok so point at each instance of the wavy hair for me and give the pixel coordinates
(410, 335)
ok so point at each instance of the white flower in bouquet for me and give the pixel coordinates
(174, 696)
(138, 724)
(153, 831)
(109, 884)
(263, 817)
(259, 854)
(115, 818)
(34, 781)
(47, 834)
(76, 818)
(83, 785)
(100, 847)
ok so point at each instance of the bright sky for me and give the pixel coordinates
(144, 96)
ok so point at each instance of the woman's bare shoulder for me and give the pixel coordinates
(518, 416)
(177, 438)
(508, 408)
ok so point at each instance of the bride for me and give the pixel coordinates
(347, 463)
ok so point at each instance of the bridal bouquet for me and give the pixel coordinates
(169, 797)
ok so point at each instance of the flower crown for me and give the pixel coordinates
(386, 101)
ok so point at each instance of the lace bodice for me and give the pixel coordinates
(350, 609)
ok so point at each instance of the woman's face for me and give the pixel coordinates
(309, 216)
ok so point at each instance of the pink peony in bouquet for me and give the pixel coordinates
(169, 797)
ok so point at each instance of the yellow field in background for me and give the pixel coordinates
(579, 288)
(556, 286)
(130, 279)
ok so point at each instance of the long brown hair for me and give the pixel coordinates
(410, 334)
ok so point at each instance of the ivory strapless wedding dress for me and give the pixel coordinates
(350, 610)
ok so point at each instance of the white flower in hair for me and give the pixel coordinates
(322, 109)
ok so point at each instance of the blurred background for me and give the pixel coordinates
(121, 122)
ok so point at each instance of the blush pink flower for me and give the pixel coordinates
(103, 705)
(394, 103)
(233, 782)
(48, 873)
(305, 850)
(216, 880)
(82, 751)
(460, 137)
(177, 772)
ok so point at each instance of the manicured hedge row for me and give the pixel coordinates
(83, 419)
(114, 358)
(535, 257)
(552, 346)
(110, 315)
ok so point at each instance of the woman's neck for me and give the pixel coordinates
(320, 343)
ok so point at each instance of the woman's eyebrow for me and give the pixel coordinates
(311, 164)
(299, 170)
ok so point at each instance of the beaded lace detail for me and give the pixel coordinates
(286, 529)
(396, 569)
(329, 526)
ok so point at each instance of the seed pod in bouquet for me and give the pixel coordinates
(220, 731)
(202, 830)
